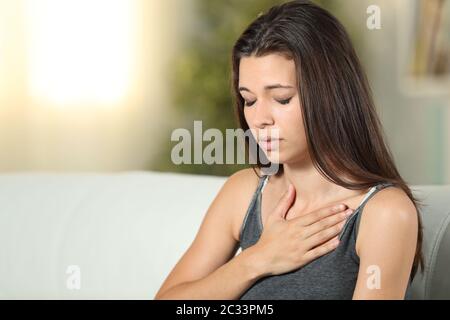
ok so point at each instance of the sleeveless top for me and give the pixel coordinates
(331, 276)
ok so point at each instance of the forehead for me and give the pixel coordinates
(268, 69)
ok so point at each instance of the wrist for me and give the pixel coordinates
(254, 263)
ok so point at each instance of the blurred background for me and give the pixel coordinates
(100, 85)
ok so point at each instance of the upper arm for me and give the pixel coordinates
(387, 244)
(215, 242)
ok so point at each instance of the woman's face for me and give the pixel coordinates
(268, 86)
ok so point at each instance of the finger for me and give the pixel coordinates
(310, 218)
(324, 235)
(285, 203)
(325, 223)
(323, 249)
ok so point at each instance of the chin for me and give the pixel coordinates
(274, 157)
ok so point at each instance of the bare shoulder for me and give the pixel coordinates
(388, 213)
(386, 245)
(238, 191)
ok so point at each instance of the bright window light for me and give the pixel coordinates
(80, 51)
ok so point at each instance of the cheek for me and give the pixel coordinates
(248, 117)
(290, 119)
(297, 132)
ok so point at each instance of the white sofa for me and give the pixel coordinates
(116, 236)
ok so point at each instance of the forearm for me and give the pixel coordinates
(229, 281)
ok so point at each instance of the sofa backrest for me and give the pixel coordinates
(121, 234)
(434, 283)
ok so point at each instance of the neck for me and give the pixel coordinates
(312, 189)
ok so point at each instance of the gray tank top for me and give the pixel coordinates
(331, 276)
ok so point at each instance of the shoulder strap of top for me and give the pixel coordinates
(264, 179)
(369, 195)
(261, 184)
(357, 212)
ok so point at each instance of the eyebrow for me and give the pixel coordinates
(269, 87)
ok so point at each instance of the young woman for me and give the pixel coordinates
(295, 71)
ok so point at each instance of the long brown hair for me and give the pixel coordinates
(343, 131)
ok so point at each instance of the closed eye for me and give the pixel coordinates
(285, 101)
(248, 104)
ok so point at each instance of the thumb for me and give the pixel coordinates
(285, 203)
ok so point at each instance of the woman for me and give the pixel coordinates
(296, 73)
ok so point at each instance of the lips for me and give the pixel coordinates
(267, 139)
(269, 143)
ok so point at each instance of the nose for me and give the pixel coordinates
(263, 116)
